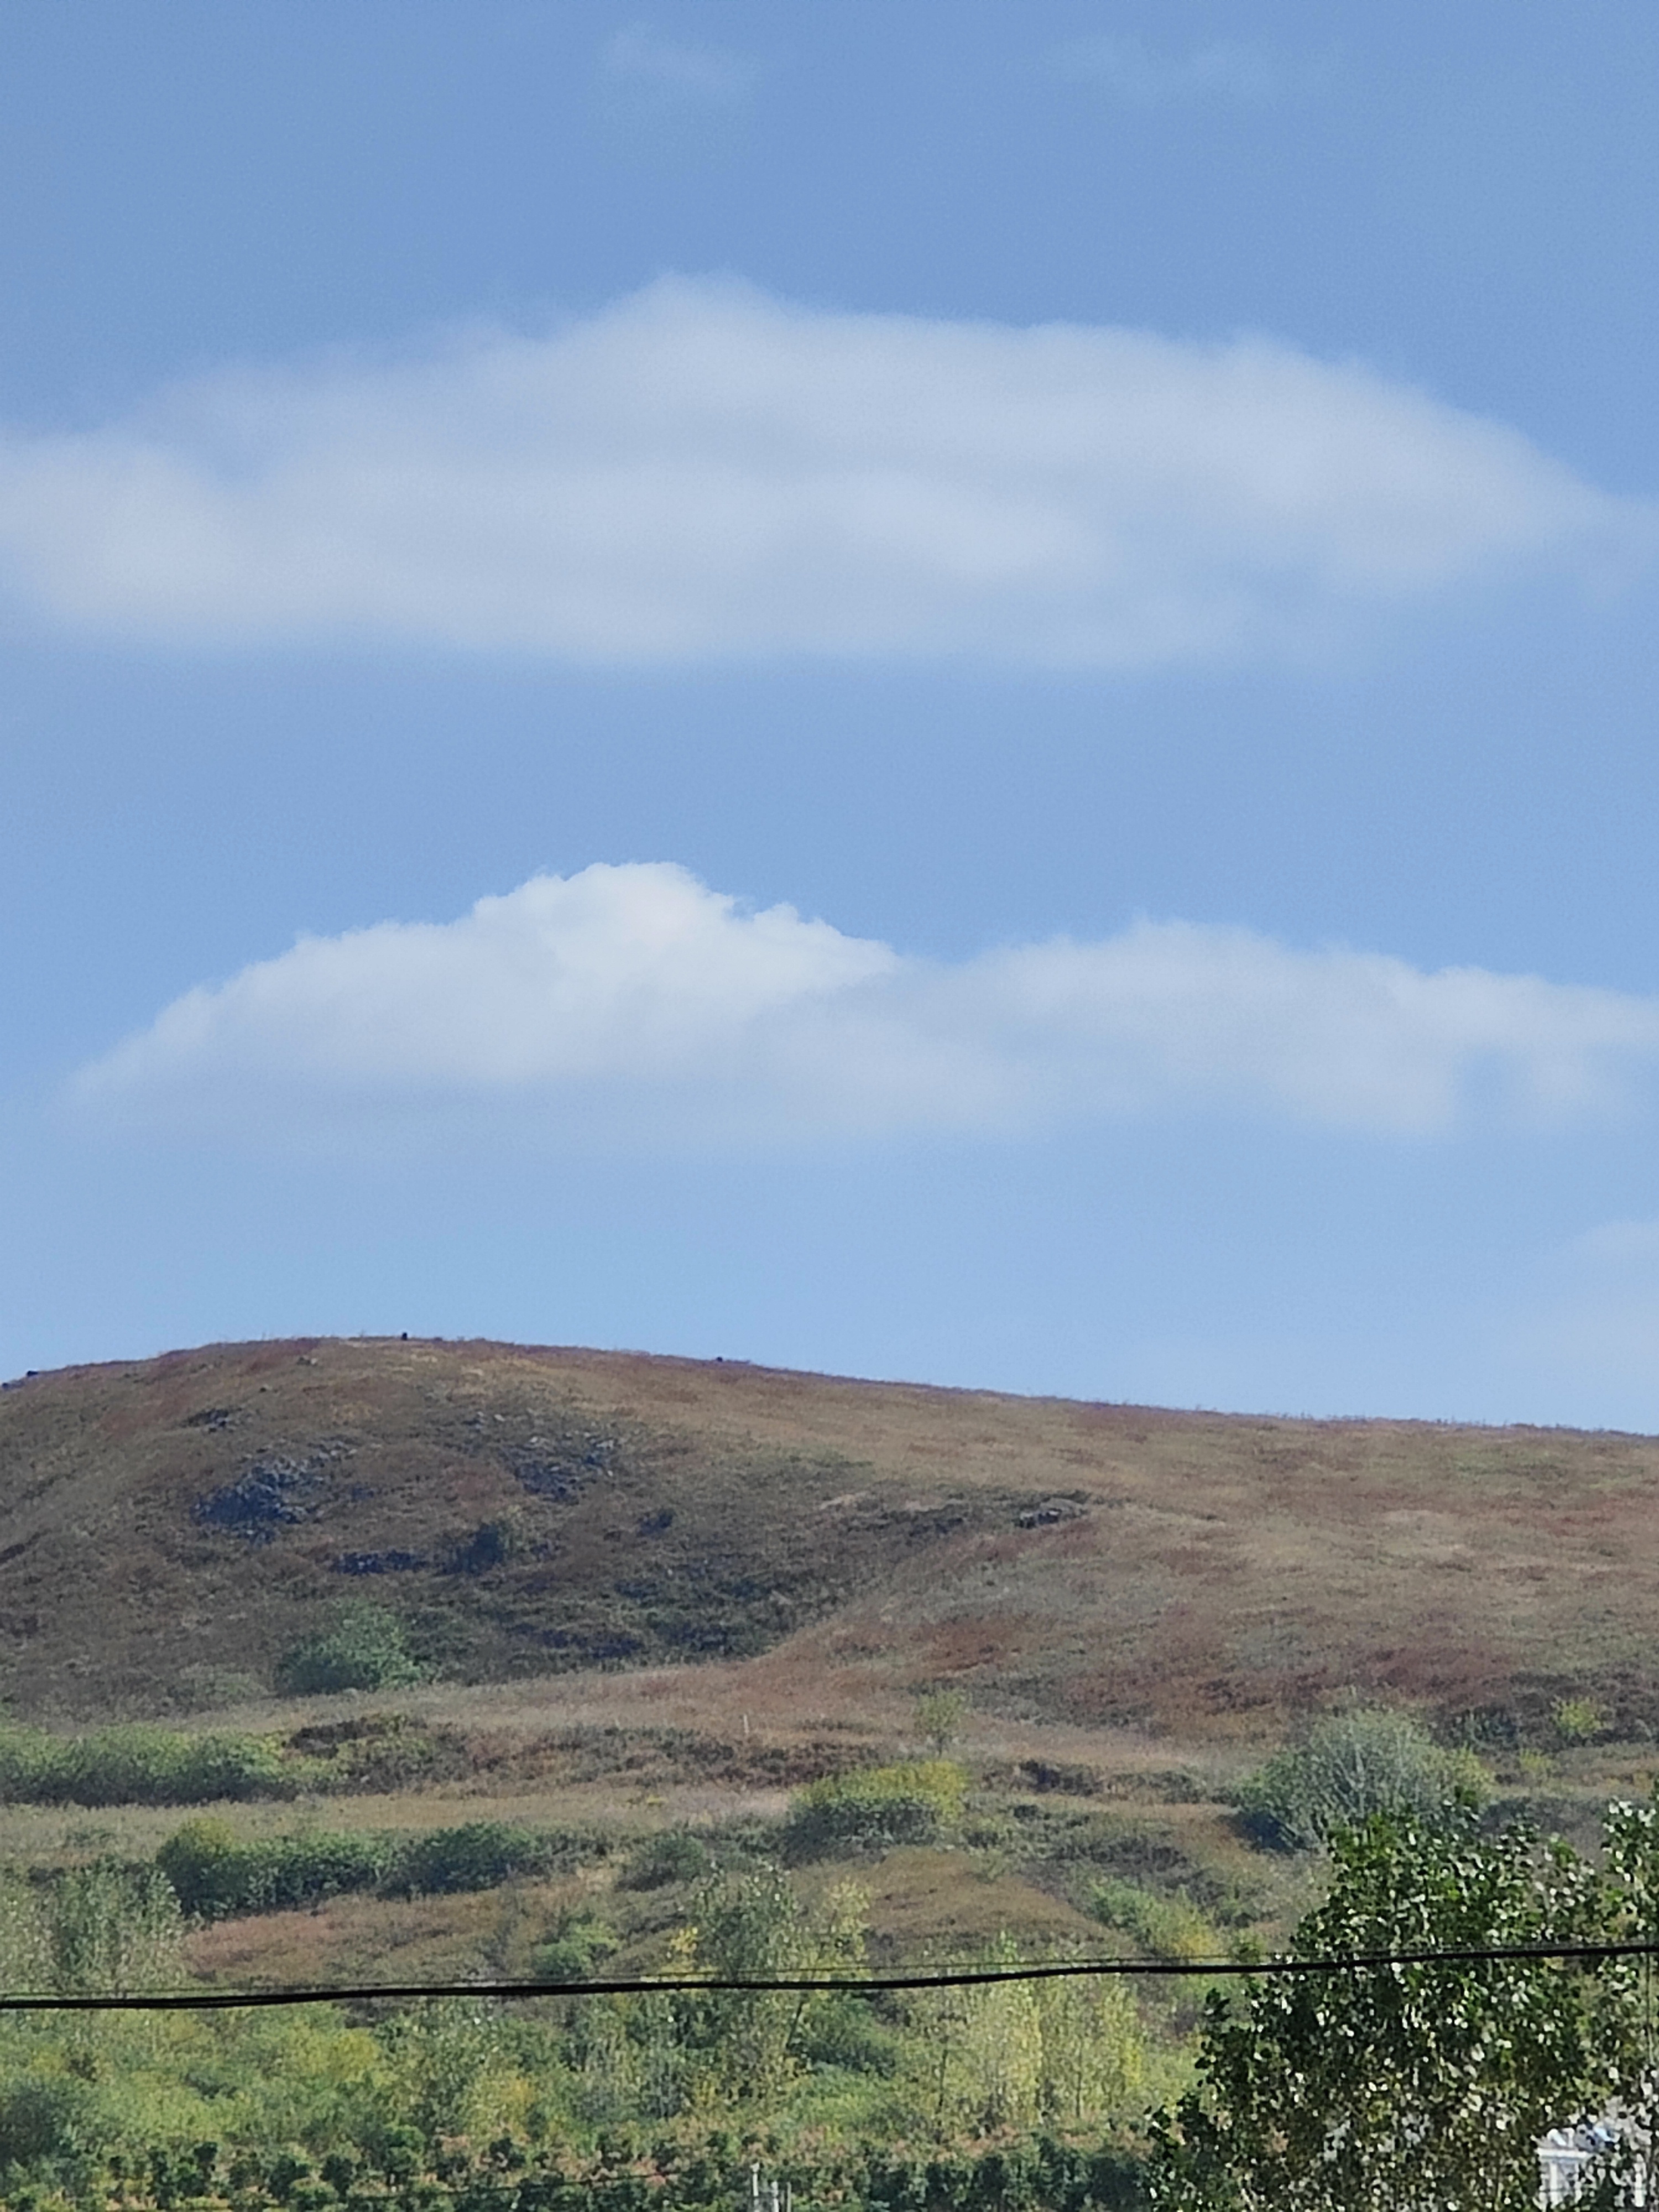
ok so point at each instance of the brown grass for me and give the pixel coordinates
(844, 1541)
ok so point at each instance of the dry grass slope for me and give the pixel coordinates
(170, 1526)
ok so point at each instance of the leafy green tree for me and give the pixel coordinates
(1350, 1766)
(750, 2043)
(113, 1929)
(365, 1649)
(1013, 2056)
(1419, 2086)
(1626, 1995)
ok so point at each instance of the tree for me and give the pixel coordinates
(364, 1651)
(1350, 1766)
(1415, 2086)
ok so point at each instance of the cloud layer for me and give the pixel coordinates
(633, 1004)
(701, 471)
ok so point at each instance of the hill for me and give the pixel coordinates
(172, 1527)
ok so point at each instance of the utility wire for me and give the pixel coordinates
(1053, 1970)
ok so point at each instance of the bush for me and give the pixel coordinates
(1579, 1720)
(577, 1945)
(1164, 1927)
(475, 1857)
(1350, 1766)
(675, 1855)
(874, 1807)
(940, 1716)
(143, 1765)
(215, 1877)
(365, 1649)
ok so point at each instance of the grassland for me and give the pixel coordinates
(653, 1596)
(171, 1526)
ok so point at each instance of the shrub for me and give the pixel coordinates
(143, 1765)
(1350, 1766)
(1164, 1927)
(941, 1714)
(215, 1877)
(675, 1855)
(475, 1857)
(577, 1945)
(365, 1649)
(874, 1807)
(1579, 1720)
(111, 1927)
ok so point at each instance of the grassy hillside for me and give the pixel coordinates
(672, 1622)
(172, 1526)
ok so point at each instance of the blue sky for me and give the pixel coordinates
(949, 691)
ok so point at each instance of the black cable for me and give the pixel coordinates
(962, 1978)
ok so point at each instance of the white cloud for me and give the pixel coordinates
(1224, 70)
(668, 70)
(701, 471)
(635, 1003)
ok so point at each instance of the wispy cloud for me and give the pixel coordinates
(670, 71)
(1223, 71)
(635, 1003)
(702, 470)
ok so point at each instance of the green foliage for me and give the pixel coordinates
(365, 1649)
(136, 1764)
(1017, 2056)
(1416, 2086)
(674, 1855)
(215, 1877)
(941, 1714)
(571, 1951)
(1353, 1765)
(1579, 1720)
(875, 1807)
(741, 2046)
(1165, 1927)
(112, 1927)
(478, 1856)
(143, 1765)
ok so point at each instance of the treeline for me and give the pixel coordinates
(924, 2099)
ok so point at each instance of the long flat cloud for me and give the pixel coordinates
(701, 471)
(635, 1005)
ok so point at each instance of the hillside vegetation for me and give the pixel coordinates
(174, 1528)
(659, 1661)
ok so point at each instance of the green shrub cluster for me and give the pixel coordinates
(365, 1649)
(1353, 1765)
(674, 1855)
(874, 1807)
(216, 1877)
(145, 1765)
(139, 1764)
(1164, 1927)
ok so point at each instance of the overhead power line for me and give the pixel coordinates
(1047, 1970)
